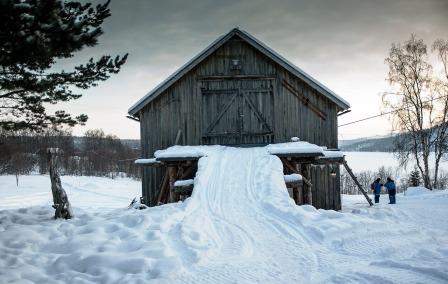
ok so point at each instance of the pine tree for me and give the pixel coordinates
(34, 36)
(414, 177)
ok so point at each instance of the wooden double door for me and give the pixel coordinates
(237, 112)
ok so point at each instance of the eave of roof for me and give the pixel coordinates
(159, 89)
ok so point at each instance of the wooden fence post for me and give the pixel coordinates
(305, 170)
(172, 174)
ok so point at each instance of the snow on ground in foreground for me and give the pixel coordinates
(82, 191)
(240, 226)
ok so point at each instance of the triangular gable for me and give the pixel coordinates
(258, 45)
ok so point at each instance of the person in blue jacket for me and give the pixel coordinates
(376, 187)
(390, 185)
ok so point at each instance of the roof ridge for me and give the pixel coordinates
(260, 46)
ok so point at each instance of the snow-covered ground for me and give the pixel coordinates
(240, 226)
(83, 191)
(372, 161)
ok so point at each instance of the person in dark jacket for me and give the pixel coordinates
(390, 185)
(376, 187)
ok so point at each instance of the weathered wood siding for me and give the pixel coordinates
(180, 108)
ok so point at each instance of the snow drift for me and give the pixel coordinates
(239, 226)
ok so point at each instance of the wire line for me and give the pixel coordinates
(389, 112)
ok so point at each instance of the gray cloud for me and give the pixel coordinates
(342, 43)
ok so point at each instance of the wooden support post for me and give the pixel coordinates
(299, 195)
(295, 195)
(163, 189)
(172, 174)
(289, 165)
(299, 189)
(307, 192)
(350, 172)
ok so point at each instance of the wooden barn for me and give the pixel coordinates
(240, 92)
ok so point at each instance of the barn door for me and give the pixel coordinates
(237, 112)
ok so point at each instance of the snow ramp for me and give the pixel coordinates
(237, 225)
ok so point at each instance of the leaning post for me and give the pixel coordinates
(352, 175)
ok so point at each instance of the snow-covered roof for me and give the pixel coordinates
(159, 89)
(299, 147)
(292, 178)
(151, 161)
(184, 183)
(296, 149)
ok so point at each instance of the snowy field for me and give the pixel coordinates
(234, 229)
(83, 191)
(372, 161)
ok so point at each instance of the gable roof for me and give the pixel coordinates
(258, 45)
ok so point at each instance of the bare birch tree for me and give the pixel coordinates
(421, 104)
(440, 87)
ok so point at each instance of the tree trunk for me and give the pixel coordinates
(426, 176)
(60, 198)
(436, 173)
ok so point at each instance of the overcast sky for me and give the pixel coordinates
(341, 43)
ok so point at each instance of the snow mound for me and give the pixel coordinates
(120, 246)
(418, 190)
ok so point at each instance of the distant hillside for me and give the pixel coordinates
(369, 144)
(134, 144)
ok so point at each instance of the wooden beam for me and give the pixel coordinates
(300, 189)
(184, 190)
(293, 184)
(179, 132)
(172, 174)
(288, 165)
(306, 101)
(148, 162)
(174, 160)
(240, 77)
(220, 115)
(190, 170)
(350, 172)
(326, 161)
(305, 156)
(305, 171)
(295, 195)
(133, 118)
(257, 112)
(184, 187)
(293, 169)
(163, 189)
